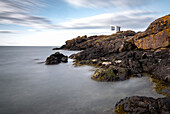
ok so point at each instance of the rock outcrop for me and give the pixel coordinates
(105, 42)
(143, 105)
(136, 62)
(120, 55)
(157, 35)
(123, 50)
(127, 54)
(56, 59)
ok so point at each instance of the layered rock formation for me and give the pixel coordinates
(56, 59)
(157, 35)
(106, 42)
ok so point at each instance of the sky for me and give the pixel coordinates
(52, 22)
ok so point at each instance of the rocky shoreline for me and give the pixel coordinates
(128, 54)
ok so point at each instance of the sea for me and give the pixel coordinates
(28, 86)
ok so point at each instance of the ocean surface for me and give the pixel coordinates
(28, 86)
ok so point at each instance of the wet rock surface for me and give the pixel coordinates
(143, 105)
(56, 59)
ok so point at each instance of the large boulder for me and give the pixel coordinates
(111, 74)
(56, 59)
(143, 105)
(157, 35)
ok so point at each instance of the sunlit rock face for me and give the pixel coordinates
(157, 35)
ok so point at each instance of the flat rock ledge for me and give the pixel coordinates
(56, 58)
(143, 105)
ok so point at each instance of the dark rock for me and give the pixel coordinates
(91, 53)
(56, 48)
(143, 105)
(138, 75)
(162, 63)
(156, 63)
(56, 58)
(64, 59)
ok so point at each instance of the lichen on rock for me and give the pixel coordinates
(111, 74)
(157, 35)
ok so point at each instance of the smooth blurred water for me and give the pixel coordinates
(27, 87)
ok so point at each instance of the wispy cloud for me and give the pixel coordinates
(34, 30)
(9, 31)
(108, 3)
(127, 20)
(25, 20)
(20, 5)
(18, 12)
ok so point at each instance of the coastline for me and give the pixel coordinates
(60, 88)
(128, 54)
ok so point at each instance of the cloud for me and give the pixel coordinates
(18, 12)
(127, 20)
(34, 30)
(9, 31)
(25, 20)
(107, 3)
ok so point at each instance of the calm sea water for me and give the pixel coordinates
(27, 87)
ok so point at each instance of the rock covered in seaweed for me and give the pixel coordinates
(111, 74)
(56, 59)
(143, 105)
